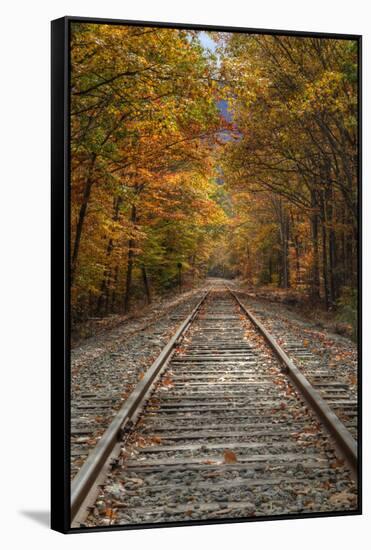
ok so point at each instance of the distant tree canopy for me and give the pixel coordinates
(160, 178)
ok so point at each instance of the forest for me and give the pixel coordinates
(223, 154)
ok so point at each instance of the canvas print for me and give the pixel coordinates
(213, 221)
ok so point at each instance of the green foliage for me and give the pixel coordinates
(348, 309)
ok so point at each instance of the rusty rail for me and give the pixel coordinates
(88, 473)
(344, 439)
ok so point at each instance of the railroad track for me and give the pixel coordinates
(333, 386)
(99, 390)
(219, 427)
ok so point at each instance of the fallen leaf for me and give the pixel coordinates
(312, 430)
(229, 457)
(342, 498)
(135, 480)
(353, 379)
(167, 382)
(337, 463)
(141, 441)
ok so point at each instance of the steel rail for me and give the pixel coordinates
(88, 473)
(344, 439)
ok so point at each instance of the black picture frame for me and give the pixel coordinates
(60, 270)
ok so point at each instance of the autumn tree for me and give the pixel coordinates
(143, 122)
(294, 103)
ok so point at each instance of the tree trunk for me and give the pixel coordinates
(146, 284)
(324, 259)
(287, 256)
(284, 226)
(333, 262)
(129, 269)
(296, 244)
(114, 291)
(285, 229)
(81, 219)
(180, 276)
(270, 269)
(342, 249)
(333, 283)
(297, 260)
(102, 304)
(248, 270)
(315, 282)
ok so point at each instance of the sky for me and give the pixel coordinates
(207, 42)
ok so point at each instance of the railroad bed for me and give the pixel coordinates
(333, 384)
(99, 390)
(224, 434)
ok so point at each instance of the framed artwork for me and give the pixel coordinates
(205, 274)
